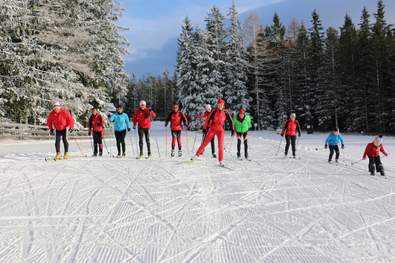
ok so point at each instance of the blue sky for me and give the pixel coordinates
(154, 25)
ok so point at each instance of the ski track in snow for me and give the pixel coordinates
(270, 209)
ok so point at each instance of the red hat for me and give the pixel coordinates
(242, 111)
(220, 102)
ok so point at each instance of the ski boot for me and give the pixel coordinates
(148, 157)
(221, 164)
(119, 156)
(172, 154)
(101, 153)
(239, 157)
(337, 161)
(329, 161)
(124, 155)
(140, 156)
(214, 155)
(372, 173)
(66, 156)
(94, 154)
(179, 153)
(58, 157)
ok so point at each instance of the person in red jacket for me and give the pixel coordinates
(96, 128)
(216, 124)
(58, 121)
(373, 151)
(176, 118)
(290, 130)
(142, 119)
(205, 116)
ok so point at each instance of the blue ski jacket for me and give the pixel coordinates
(121, 121)
(334, 139)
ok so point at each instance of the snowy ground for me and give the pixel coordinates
(165, 210)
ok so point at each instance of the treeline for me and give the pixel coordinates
(335, 77)
(158, 91)
(55, 50)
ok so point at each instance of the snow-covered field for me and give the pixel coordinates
(165, 210)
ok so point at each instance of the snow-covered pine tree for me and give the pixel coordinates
(236, 92)
(216, 45)
(53, 53)
(315, 91)
(259, 56)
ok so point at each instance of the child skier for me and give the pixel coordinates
(333, 141)
(373, 151)
(96, 128)
(216, 124)
(242, 122)
(142, 118)
(205, 117)
(121, 125)
(291, 128)
(176, 119)
(58, 121)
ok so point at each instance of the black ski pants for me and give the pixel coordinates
(120, 138)
(332, 150)
(241, 136)
(290, 141)
(97, 142)
(61, 136)
(144, 132)
(375, 162)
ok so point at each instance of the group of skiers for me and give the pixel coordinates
(214, 120)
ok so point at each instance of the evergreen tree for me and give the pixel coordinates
(236, 93)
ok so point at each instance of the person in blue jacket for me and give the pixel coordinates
(121, 125)
(333, 140)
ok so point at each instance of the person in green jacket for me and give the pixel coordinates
(242, 122)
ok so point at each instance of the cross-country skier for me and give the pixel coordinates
(216, 124)
(176, 119)
(373, 151)
(242, 122)
(142, 118)
(205, 117)
(96, 129)
(59, 120)
(290, 130)
(333, 141)
(121, 125)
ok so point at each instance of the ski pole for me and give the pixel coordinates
(194, 143)
(186, 137)
(79, 147)
(131, 141)
(279, 145)
(92, 142)
(166, 140)
(105, 145)
(157, 146)
(352, 163)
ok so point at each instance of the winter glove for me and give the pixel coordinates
(282, 134)
(109, 114)
(232, 133)
(326, 146)
(134, 127)
(146, 115)
(129, 129)
(52, 132)
(342, 146)
(89, 133)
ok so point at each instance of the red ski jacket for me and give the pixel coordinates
(60, 121)
(374, 151)
(205, 116)
(143, 118)
(96, 123)
(176, 119)
(291, 127)
(218, 118)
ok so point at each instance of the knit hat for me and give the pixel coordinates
(56, 104)
(208, 107)
(220, 102)
(378, 139)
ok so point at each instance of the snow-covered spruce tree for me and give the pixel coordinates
(259, 57)
(189, 92)
(315, 91)
(236, 93)
(53, 52)
(216, 45)
(277, 81)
